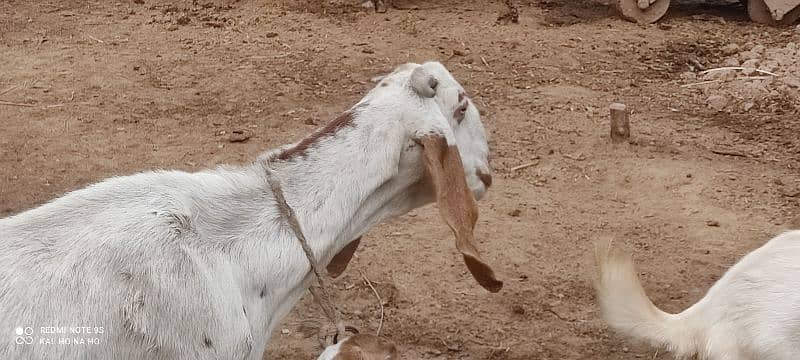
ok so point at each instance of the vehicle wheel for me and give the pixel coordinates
(630, 10)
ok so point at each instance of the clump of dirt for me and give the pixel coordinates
(677, 57)
(752, 78)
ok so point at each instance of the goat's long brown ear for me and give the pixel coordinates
(340, 261)
(457, 204)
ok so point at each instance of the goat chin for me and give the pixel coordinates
(749, 313)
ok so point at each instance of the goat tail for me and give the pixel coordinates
(627, 309)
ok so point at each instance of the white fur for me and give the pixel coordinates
(751, 313)
(173, 265)
(330, 352)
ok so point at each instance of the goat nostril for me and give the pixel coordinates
(486, 179)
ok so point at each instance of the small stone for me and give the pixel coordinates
(750, 67)
(459, 53)
(515, 213)
(792, 193)
(748, 105)
(689, 176)
(712, 223)
(717, 102)
(518, 309)
(367, 51)
(731, 61)
(285, 331)
(792, 81)
(172, 27)
(183, 20)
(310, 121)
(730, 49)
(758, 49)
(794, 223)
(748, 55)
(240, 136)
(271, 34)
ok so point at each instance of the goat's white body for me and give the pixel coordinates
(149, 242)
(751, 313)
(176, 265)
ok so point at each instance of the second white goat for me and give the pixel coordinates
(751, 313)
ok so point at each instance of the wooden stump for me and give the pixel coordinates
(620, 126)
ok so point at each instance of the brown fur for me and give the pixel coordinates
(486, 179)
(340, 261)
(343, 120)
(457, 204)
(367, 347)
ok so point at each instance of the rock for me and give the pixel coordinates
(748, 55)
(730, 49)
(790, 192)
(717, 102)
(240, 136)
(794, 223)
(518, 309)
(712, 223)
(792, 81)
(769, 66)
(750, 67)
(731, 61)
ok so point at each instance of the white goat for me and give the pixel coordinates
(751, 313)
(176, 265)
(361, 347)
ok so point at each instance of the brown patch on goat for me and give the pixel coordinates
(340, 261)
(486, 179)
(367, 347)
(340, 122)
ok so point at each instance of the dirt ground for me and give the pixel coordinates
(110, 88)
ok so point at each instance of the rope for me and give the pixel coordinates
(320, 294)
